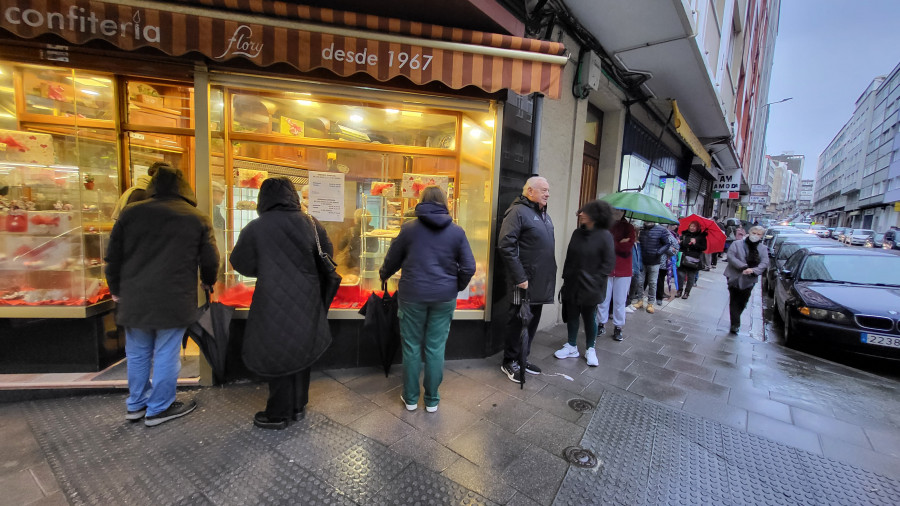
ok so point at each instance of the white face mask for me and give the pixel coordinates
(755, 238)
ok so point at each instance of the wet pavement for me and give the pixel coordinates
(685, 413)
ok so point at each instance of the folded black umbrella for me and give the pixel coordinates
(525, 317)
(210, 332)
(382, 325)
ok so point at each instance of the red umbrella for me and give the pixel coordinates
(715, 238)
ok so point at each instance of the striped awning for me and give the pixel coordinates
(307, 38)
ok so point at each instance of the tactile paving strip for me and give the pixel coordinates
(651, 454)
(214, 456)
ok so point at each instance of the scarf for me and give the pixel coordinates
(753, 258)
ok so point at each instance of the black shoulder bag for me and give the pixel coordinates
(329, 279)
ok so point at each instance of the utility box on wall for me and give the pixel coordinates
(594, 71)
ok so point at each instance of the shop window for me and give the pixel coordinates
(160, 127)
(58, 184)
(382, 153)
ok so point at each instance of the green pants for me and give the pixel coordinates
(424, 327)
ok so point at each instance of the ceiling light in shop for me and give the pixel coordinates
(412, 114)
(391, 111)
(489, 123)
(356, 118)
(475, 133)
(6, 115)
(90, 92)
(91, 81)
(307, 103)
(487, 142)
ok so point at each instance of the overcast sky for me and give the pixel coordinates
(826, 54)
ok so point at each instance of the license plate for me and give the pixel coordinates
(879, 340)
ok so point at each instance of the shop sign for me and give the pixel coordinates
(761, 189)
(729, 181)
(756, 199)
(457, 58)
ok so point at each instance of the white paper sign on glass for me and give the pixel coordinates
(326, 195)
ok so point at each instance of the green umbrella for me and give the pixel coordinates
(641, 207)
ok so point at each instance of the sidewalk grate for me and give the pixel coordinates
(652, 454)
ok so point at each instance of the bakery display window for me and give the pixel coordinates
(359, 160)
(59, 183)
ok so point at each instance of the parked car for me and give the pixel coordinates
(839, 233)
(877, 241)
(783, 232)
(858, 236)
(830, 233)
(892, 239)
(847, 298)
(819, 231)
(802, 226)
(784, 250)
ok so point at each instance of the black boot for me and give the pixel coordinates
(261, 420)
(617, 334)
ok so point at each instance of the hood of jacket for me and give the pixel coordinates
(277, 193)
(169, 183)
(433, 215)
(143, 182)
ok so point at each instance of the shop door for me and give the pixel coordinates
(867, 221)
(589, 168)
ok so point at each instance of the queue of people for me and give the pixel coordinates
(608, 267)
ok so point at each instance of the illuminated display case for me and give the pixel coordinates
(381, 148)
(59, 182)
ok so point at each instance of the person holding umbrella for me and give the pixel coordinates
(437, 264)
(619, 283)
(590, 260)
(286, 329)
(693, 244)
(526, 244)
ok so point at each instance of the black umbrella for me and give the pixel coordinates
(525, 316)
(382, 325)
(210, 332)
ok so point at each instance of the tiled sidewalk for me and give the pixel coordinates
(494, 441)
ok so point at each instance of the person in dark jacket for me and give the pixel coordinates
(590, 260)
(654, 241)
(526, 245)
(619, 283)
(693, 244)
(286, 330)
(437, 264)
(665, 264)
(747, 260)
(155, 251)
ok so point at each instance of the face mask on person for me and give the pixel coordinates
(755, 237)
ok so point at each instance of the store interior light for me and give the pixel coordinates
(97, 82)
(489, 123)
(356, 118)
(6, 115)
(391, 111)
(412, 114)
(90, 92)
(306, 103)
(475, 133)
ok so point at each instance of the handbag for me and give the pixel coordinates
(329, 279)
(690, 262)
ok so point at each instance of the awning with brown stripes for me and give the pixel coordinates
(307, 38)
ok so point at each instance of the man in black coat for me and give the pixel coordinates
(526, 245)
(156, 249)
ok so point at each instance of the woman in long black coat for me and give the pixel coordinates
(693, 244)
(286, 329)
(590, 260)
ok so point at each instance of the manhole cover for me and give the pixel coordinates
(580, 457)
(580, 405)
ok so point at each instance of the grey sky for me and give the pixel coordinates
(827, 53)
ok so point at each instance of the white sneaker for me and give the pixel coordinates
(591, 357)
(629, 309)
(409, 407)
(431, 409)
(567, 351)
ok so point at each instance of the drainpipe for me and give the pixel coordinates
(536, 115)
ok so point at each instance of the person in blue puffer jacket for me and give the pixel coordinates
(654, 240)
(437, 264)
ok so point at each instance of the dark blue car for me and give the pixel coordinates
(846, 298)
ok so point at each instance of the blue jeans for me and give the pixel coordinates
(159, 349)
(651, 273)
(424, 327)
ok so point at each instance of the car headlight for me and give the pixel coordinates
(824, 314)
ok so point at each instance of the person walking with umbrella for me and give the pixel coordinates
(286, 329)
(526, 245)
(619, 283)
(693, 244)
(590, 260)
(746, 261)
(437, 264)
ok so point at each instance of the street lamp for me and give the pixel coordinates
(776, 102)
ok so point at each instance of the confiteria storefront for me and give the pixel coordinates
(360, 112)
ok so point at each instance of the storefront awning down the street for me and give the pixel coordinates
(687, 135)
(304, 37)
